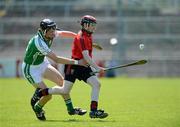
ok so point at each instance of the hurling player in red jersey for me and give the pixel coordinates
(82, 50)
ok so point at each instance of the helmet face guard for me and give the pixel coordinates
(90, 21)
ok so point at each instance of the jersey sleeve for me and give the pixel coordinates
(41, 46)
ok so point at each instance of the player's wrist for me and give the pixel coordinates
(76, 62)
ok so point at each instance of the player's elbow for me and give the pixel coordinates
(53, 57)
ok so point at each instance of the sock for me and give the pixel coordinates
(69, 105)
(38, 107)
(43, 92)
(35, 97)
(94, 105)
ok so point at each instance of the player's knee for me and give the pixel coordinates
(97, 84)
(60, 82)
(67, 87)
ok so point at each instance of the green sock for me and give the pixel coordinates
(38, 107)
(69, 105)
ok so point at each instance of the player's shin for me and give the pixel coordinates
(65, 89)
(94, 98)
(69, 106)
(94, 83)
(43, 101)
(38, 107)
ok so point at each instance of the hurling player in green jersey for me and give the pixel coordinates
(36, 66)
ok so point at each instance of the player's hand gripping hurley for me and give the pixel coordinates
(140, 62)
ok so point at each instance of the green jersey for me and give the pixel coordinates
(37, 49)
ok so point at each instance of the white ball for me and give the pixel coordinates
(141, 46)
(113, 41)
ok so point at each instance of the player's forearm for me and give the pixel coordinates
(67, 34)
(63, 60)
(89, 60)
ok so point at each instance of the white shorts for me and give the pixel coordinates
(34, 73)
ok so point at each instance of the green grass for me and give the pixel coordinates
(130, 102)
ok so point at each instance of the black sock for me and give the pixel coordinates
(36, 93)
(35, 97)
(94, 105)
(43, 92)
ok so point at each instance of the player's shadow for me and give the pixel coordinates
(77, 120)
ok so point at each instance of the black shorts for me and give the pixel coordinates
(73, 72)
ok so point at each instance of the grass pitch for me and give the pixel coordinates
(130, 102)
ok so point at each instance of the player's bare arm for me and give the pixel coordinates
(69, 34)
(66, 34)
(63, 60)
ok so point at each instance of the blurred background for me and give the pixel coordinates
(122, 26)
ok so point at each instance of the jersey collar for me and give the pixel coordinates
(40, 34)
(86, 33)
